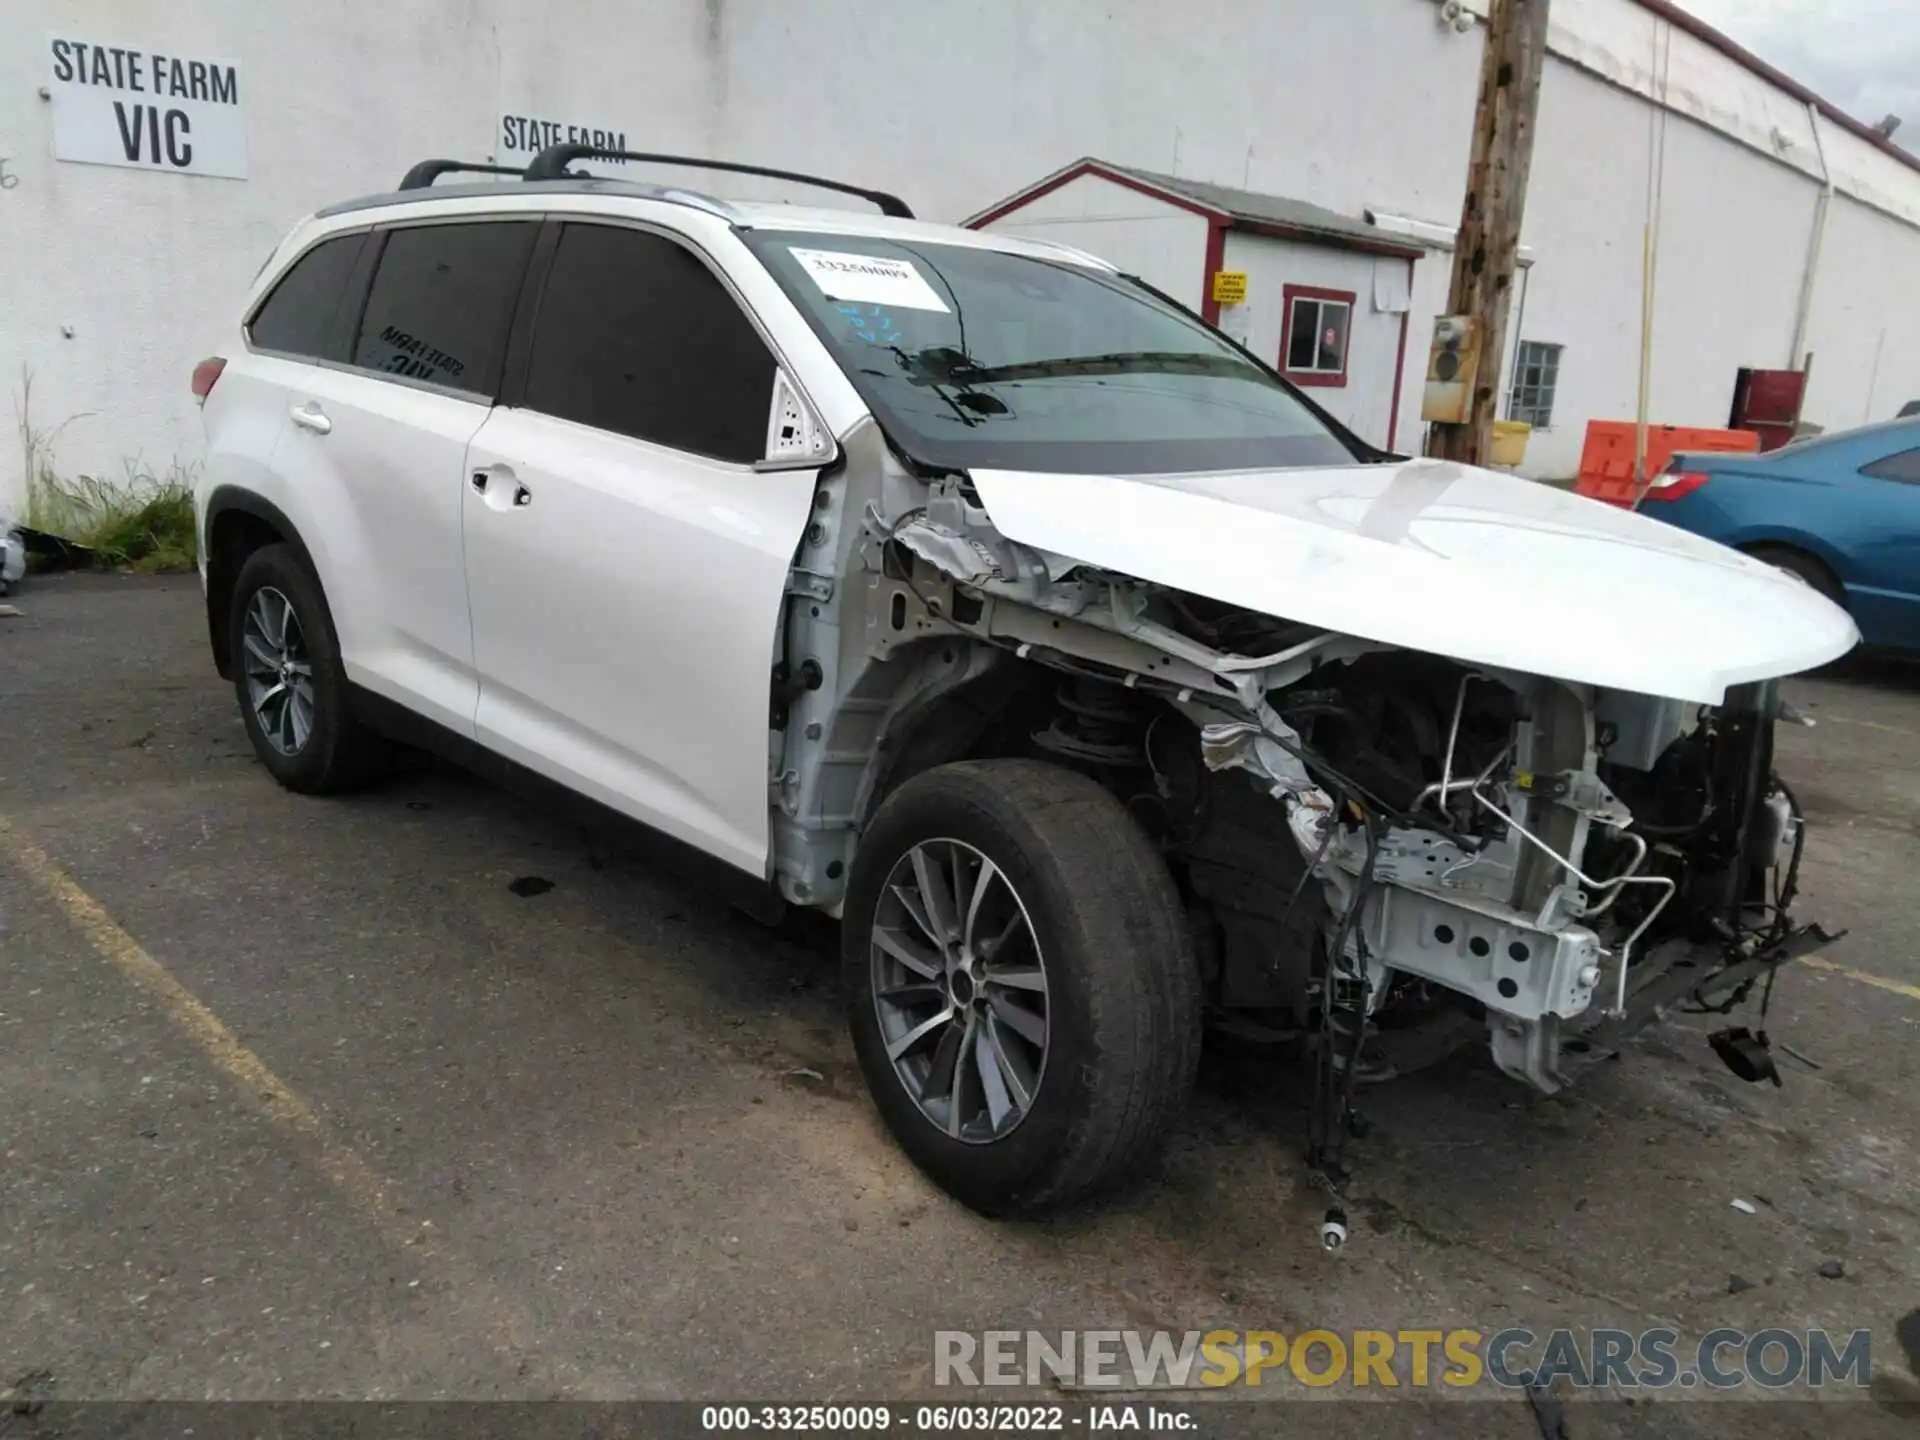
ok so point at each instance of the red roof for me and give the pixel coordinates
(1700, 30)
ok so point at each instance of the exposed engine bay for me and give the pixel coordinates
(1384, 854)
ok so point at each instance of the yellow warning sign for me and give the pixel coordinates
(1229, 287)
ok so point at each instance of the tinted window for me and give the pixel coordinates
(299, 315)
(637, 336)
(1905, 465)
(977, 357)
(442, 300)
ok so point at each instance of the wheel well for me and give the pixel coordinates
(1761, 549)
(231, 538)
(970, 721)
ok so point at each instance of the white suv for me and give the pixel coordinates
(973, 592)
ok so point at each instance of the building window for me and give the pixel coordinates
(1313, 344)
(1536, 371)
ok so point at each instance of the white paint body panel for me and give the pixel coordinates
(1432, 556)
(383, 486)
(624, 622)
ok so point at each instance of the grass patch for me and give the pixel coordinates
(143, 522)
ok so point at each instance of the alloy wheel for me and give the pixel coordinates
(960, 987)
(279, 671)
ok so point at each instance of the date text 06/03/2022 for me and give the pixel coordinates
(937, 1419)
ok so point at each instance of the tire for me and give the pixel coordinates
(330, 751)
(1798, 562)
(1119, 1015)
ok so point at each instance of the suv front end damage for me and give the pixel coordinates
(1382, 853)
(1409, 769)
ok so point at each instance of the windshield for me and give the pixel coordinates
(977, 358)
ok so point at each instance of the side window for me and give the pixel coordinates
(637, 336)
(1318, 325)
(298, 317)
(1536, 377)
(1901, 465)
(442, 300)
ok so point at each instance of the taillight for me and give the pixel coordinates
(1674, 483)
(204, 374)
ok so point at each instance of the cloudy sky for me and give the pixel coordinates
(1863, 55)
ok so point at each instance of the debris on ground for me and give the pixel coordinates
(1737, 1283)
(9, 612)
(530, 885)
(1832, 1270)
(1745, 1207)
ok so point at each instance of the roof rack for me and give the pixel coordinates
(552, 162)
(427, 171)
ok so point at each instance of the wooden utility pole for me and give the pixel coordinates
(1486, 250)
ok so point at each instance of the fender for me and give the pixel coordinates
(266, 524)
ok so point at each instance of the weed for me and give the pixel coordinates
(144, 522)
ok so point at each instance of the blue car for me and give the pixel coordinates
(1840, 511)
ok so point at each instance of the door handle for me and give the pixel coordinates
(310, 417)
(519, 496)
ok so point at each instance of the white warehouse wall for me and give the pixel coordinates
(1734, 229)
(1364, 103)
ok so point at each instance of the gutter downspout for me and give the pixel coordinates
(1803, 313)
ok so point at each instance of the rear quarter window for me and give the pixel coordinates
(298, 317)
(1901, 465)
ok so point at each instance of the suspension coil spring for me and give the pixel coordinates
(1098, 724)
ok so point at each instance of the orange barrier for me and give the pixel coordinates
(1606, 461)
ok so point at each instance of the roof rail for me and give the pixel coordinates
(427, 171)
(552, 162)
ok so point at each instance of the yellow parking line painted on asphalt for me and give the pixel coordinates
(352, 1178)
(1865, 977)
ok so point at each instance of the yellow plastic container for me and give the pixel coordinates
(1509, 442)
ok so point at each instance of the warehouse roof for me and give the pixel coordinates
(1685, 20)
(1224, 205)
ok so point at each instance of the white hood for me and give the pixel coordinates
(1428, 555)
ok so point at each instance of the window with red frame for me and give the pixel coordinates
(1317, 335)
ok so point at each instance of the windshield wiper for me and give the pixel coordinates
(1123, 362)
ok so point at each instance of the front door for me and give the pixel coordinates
(626, 564)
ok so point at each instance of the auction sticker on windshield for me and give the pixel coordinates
(869, 279)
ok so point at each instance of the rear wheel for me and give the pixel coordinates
(1021, 988)
(1809, 569)
(290, 682)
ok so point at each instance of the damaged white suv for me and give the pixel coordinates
(974, 593)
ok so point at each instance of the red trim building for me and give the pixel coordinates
(1327, 298)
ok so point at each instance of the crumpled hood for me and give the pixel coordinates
(1429, 555)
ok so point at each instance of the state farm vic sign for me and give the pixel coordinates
(147, 109)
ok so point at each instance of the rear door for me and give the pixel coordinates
(626, 562)
(1885, 594)
(375, 447)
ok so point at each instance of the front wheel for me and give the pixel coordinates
(1021, 988)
